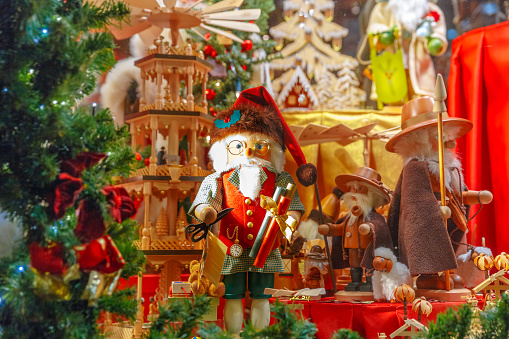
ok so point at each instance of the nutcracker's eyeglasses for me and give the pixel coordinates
(236, 147)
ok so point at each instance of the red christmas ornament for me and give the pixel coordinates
(207, 36)
(247, 45)
(210, 94)
(147, 162)
(212, 111)
(208, 49)
(138, 156)
(213, 53)
(244, 67)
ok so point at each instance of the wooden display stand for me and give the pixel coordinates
(454, 295)
(172, 116)
(354, 296)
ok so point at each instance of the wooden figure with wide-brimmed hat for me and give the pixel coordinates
(357, 235)
(426, 234)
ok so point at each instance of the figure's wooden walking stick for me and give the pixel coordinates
(439, 107)
(331, 271)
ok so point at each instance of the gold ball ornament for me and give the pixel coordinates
(502, 261)
(484, 262)
(404, 293)
(423, 305)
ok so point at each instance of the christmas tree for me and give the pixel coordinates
(309, 38)
(57, 163)
(241, 60)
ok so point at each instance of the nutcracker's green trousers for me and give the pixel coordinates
(256, 283)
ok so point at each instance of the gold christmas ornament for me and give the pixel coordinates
(53, 285)
(502, 261)
(50, 285)
(484, 262)
(100, 284)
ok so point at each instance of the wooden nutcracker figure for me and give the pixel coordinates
(248, 144)
(358, 234)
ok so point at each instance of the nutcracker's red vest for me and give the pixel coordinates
(249, 222)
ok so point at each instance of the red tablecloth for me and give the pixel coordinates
(366, 319)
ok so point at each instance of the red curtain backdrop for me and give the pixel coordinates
(479, 92)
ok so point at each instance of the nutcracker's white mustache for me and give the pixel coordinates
(249, 175)
(363, 201)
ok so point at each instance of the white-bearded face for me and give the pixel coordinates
(363, 196)
(422, 145)
(408, 12)
(249, 167)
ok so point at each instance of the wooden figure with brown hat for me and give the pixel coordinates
(427, 235)
(357, 235)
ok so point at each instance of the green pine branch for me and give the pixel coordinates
(286, 325)
(346, 334)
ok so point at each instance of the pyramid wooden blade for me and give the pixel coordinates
(169, 3)
(296, 130)
(127, 31)
(143, 3)
(239, 26)
(338, 132)
(365, 129)
(223, 33)
(241, 15)
(198, 33)
(303, 143)
(348, 141)
(222, 6)
(150, 34)
(312, 132)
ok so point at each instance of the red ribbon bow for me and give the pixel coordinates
(100, 255)
(48, 259)
(68, 184)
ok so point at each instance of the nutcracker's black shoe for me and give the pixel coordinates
(356, 274)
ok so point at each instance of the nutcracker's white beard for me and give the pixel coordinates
(408, 12)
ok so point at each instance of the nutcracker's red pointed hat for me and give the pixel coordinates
(255, 111)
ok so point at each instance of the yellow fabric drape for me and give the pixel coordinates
(332, 159)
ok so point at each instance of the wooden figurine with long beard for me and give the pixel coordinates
(357, 235)
(248, 144)
(427, 244)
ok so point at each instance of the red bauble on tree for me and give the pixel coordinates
(247, 45)
(244, 67)
(213, 54)
(138, 156)
(210, 94)
(208, 50)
